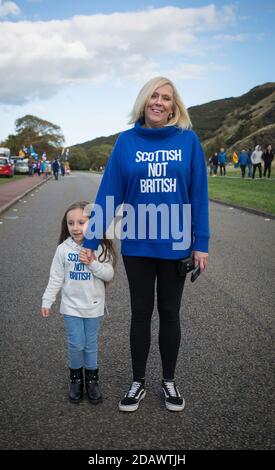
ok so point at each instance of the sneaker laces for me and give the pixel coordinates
(171, 388)
(134, 387)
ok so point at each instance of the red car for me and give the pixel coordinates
(6, 168)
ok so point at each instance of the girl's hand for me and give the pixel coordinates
(86, 256)
(201, 258)
(45, 312)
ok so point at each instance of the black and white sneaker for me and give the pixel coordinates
(133, 397)
(173, 398)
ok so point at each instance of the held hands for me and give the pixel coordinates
(201, 258)
(45, 312)
(86, 256)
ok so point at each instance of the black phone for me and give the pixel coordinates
(195, 273)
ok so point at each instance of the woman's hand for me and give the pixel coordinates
(45, 312)
(201, 258)
(86, 256)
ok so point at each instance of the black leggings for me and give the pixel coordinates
(142, 273)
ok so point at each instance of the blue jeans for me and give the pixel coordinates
(82, 341)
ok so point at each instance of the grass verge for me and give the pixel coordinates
(258, 194)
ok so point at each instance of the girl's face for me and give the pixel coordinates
(77, 223)
(159, 107)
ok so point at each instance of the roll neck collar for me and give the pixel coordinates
(154, 132)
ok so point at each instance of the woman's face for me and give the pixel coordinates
(159, 107)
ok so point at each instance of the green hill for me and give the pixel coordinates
(233, 123)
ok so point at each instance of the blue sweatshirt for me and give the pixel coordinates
(222, 158)
(160, 168)
(243, 159)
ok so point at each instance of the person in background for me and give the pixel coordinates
(268, 157)
(210, 161)
(43, 168)
(30, 166)
(55, 168)
(215, 162)
(62, 169)
(222, 158)
(256, 159)
(159, 162)
(235, 159)
(249, 163)
(38, 167)
(82, 299)
(243, 161)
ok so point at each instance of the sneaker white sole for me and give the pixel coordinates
(172, 407)
(131, 408)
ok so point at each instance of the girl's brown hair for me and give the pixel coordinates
(108, 251)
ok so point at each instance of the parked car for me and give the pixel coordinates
(21, 167)
(15, 158)
(6, 167)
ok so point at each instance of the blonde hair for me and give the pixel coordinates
(180, 116)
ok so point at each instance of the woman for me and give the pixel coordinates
(268, 156)
(256, 159)
(157, 167)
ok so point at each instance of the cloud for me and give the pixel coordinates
(195, 71)
(231, 37)
(39, 58)
(8, 8)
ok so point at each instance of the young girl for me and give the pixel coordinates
(82, 298)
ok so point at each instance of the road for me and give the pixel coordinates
(224, 367)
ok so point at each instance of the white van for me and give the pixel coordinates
(5, 152)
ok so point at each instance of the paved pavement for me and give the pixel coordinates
(224, 369)
(12, 191)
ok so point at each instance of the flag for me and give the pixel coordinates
(235, 157)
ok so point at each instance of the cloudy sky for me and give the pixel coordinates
(81, 63)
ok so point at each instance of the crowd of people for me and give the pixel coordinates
(246, 159)
(46, 168)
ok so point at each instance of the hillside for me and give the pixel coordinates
(244, 121)
(233, 123)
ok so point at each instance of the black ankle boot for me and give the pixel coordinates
(92, 387)
(76, 385)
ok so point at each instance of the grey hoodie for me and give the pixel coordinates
(256, 156)
(83, 289)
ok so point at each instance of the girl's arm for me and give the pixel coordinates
(57, 274)
(104, 271)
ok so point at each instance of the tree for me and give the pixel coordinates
(98, 155)
(43, 135)
(78, 159)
